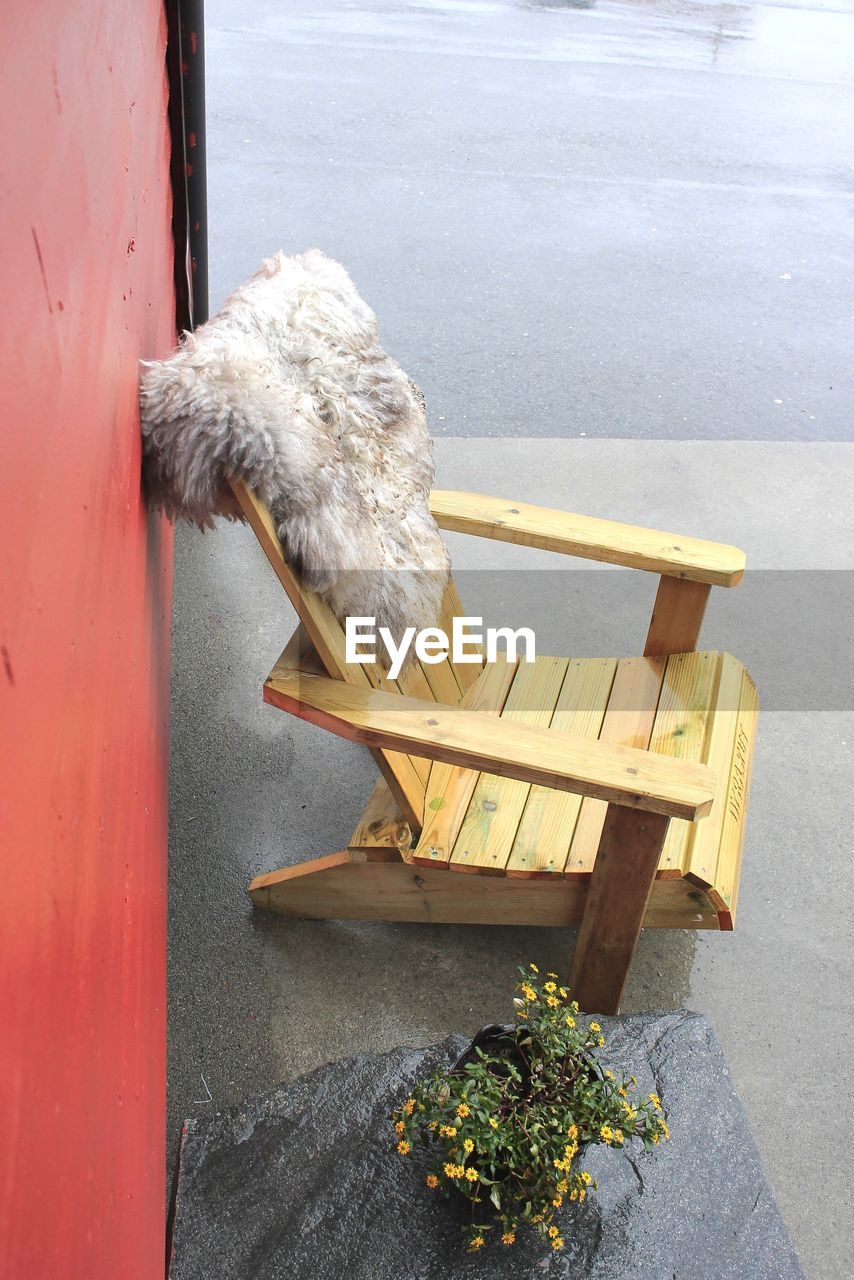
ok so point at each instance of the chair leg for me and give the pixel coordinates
(620, 888)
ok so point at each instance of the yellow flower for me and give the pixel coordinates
(476, 1243)
(564, 993)
(570, 1021)
(447, 1131)
(472, 1174)
(656, 1137)
(468, 1146)
(530, 994)
(509, 1237)
(558, 1201)
(534, 967)
(572, 1131)
(538, 1217)
(399, 1127)
(433, 1125)
(664, 1130)
(551, 974)
(582, 1193)
(656, 1101)
(432, 1181)
(520, 1013)
(552, 1002)
(449, 1170)
(409, 1106)
(609, 1075)
(493, 1123)
(553, 1232)
(404, 1148)
(606, 1133)
(618, 1137)
(601, 1041)
(557, 1243)
(462, 1109)
(594, 1026)
(622, 1092)
(586, 1178)
(551, 987)
(563, 1186)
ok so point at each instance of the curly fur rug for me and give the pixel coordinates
(289, 390)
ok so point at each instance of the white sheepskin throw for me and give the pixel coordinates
(289, 389)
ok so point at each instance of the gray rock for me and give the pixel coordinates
(303, 1183)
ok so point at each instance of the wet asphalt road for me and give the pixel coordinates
(601, 219)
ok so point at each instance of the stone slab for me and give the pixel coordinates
(302, 1183)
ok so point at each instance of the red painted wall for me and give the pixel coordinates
(85, 290)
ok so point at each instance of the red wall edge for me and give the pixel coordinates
(85, 581)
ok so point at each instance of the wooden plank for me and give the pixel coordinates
(382, 825)
(396, 767)
(628, 722)
(411, 682)
(446, 681)
(590, 538)
(680, 728)
(299, 654)
(617, 900)
(376, 885)
(327, 635)
(529, 753)
(486, 835)
(705, 836)
(728, 873)
(406, 785)
(677, 617)
(450, 787)
(323, 627)
(466, 672)
(548, 821)
(442, 681)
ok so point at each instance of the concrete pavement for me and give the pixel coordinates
(256, 998)
(616, 220)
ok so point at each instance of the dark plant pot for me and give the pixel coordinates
(500, 1042)
(493, 1039)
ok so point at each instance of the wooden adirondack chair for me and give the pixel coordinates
(609, 793)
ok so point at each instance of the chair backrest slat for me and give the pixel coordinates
(443, 682)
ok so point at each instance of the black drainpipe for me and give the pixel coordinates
(185, 63)
(185, 68)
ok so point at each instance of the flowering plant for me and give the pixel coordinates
(508, 1127)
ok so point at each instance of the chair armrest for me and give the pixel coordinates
(474, 740)
(588, 537)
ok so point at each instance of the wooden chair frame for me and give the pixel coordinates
(376, 877)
